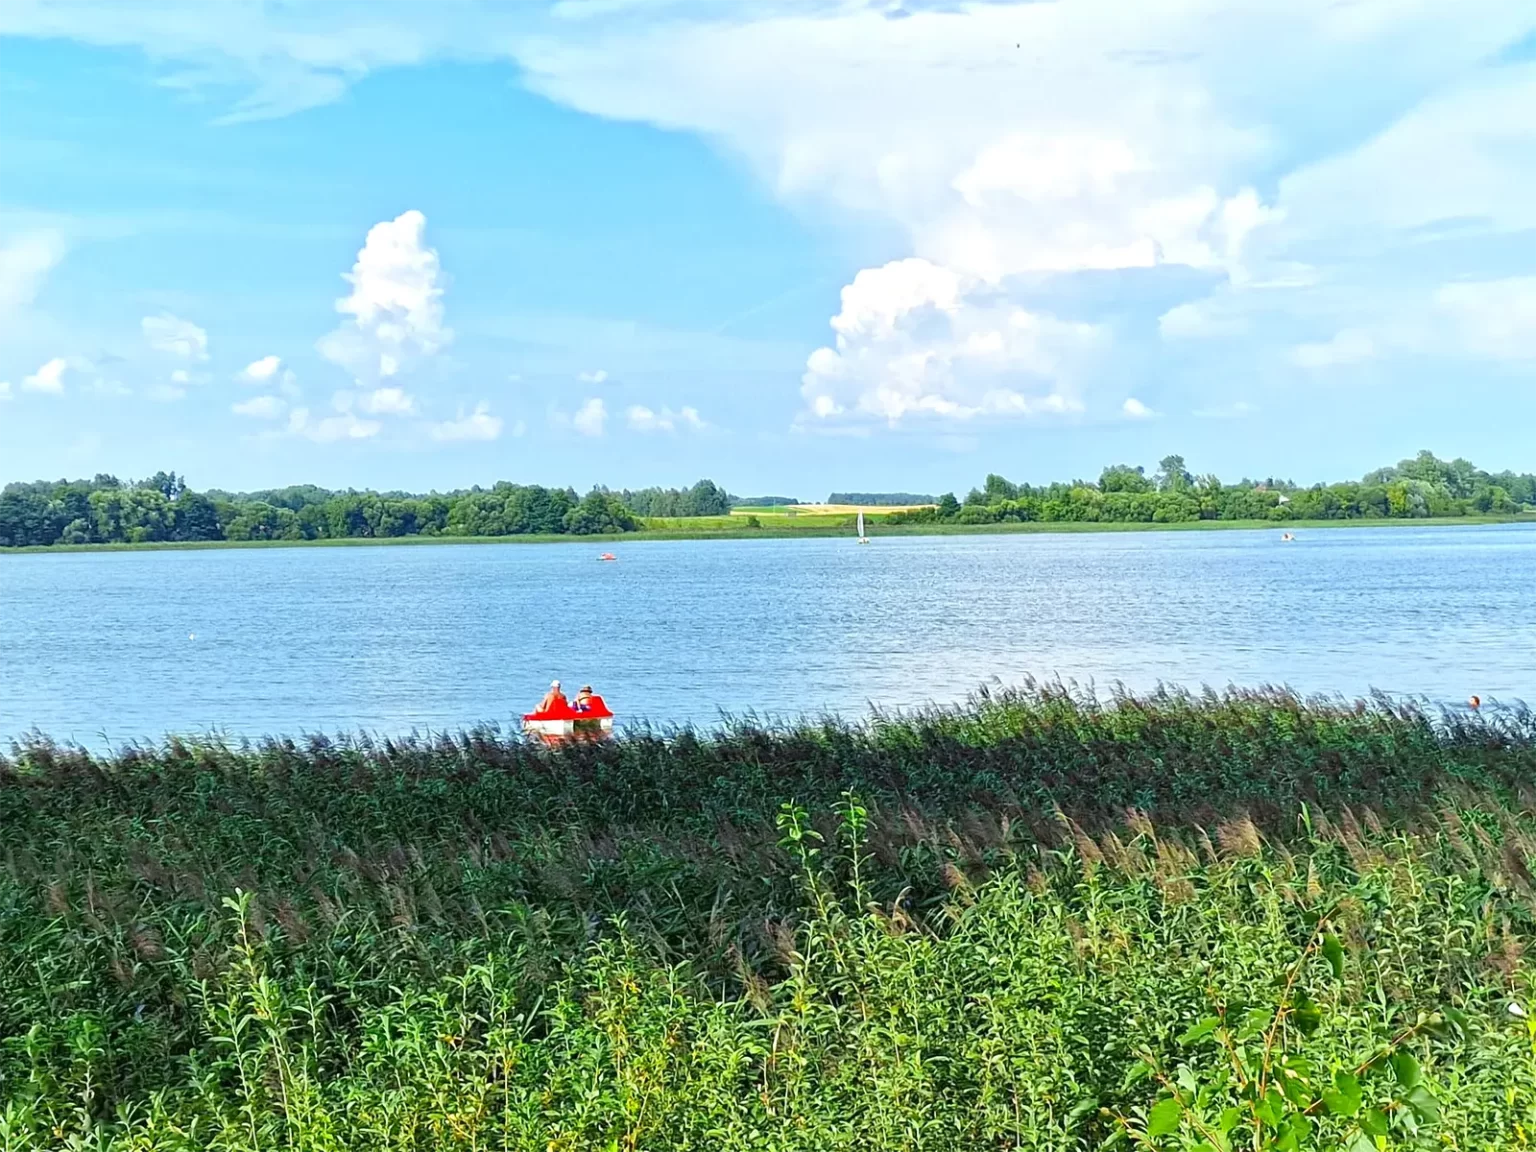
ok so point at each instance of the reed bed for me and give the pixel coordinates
(1238, 920)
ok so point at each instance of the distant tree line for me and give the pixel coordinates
(106, 510)
(763, 501)
(706, 498)
(879, 499)
(1423, 486)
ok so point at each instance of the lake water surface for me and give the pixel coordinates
(118, 645)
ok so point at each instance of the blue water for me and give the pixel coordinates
(106, 647)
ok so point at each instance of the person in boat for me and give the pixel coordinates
(554, 698)
(588, 701)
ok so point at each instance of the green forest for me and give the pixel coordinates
(1162, 924)
(162, 508)
(1421, 487)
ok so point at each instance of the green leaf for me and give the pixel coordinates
(1406, 1069)
(1135, 1074)
(1164, 1118)
(1254, 1022)
(1080, 1111)
(1271, 1108)
(1230, 1119)
(1423, 1103)
(1339, 1104)
(1201, 1030)
(1374, 1122)
(1307, 1015)
(1333, 952)
(1360, 1142)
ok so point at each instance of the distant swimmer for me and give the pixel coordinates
(1286, 536)
(1475, 703)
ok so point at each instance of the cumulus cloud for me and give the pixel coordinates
(643, 419)
(395, 306)
(1135, 409)
(260, 407)
(1017, 142)
(478, 425)
(918, 339)
(328, 429)
(5, 389)
(261, 371)
(24, 263)
(1349, 346)
(597, 376)
(48, 378)
(175, 336)
(591, 417)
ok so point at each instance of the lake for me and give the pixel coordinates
(110, 646)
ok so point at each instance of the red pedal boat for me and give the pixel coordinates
(563, 722)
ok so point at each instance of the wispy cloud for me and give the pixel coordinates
(477, 425)
(175, 336)
(260, 407)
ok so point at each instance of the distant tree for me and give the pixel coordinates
(1171, 474)
(193, 517)
(1124, 478)
(598, 512)
(948, 507)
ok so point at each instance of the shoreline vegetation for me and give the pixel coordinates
(163, 511)
(1037, 920)
(843, 526)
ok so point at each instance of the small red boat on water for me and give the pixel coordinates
(563, 722)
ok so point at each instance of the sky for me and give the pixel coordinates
(794, 246)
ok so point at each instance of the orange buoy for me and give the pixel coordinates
(607, 556)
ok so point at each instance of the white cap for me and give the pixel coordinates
(554, 683)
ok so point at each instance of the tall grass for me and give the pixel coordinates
(1033, 922)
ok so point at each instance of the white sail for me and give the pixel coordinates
(861, 523)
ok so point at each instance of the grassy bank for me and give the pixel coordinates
(1035, 922)
(781, 527)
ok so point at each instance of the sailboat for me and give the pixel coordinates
(863, 539)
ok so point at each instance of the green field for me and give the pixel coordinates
(1172, 923)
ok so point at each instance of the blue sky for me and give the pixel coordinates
(793, 245)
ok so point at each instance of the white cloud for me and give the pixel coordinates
(260, 407)
(387, 402)
(591, 417)
(395, 305)
(643, 419)
(918, 339)
(598, 376)
(1350, 346)
(180, 376)
(478, 425)
(5, 389)
(175, 336)
(24, 263)
(48, 378)
(1495, 319)
(328, 429)
(1135, 409)
(165, 393)
(261, 371)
